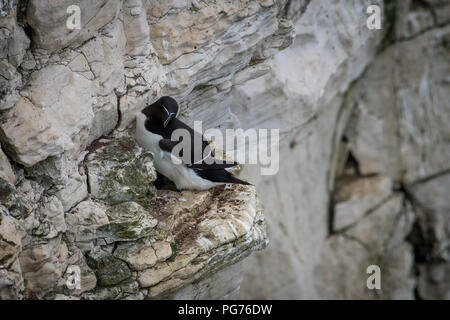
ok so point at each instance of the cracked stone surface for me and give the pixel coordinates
(142, 246)
(119, 170)
(176, 241)
(204, 230)
(363, 168)
(364, 128)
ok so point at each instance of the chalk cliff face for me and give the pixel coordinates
(364, 153)
(365, 161)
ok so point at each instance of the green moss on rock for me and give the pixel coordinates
(110, 271)
(128, 221)
(121, 171)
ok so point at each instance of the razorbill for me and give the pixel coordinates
(154, 127)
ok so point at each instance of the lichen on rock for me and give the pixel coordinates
(177, 240)
(207, 231)
(12, 200)
(127, 221)
(119, 171)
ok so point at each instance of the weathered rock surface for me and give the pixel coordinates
(43, 264)
(46, 123)
(402, 110)
(124, 241)
(119, 171)
(6, 172)
(172, 243)
(62, 174)
(204, 230)
(310, 79)
(387, 125)
(191, 42)
(431, 236)
(48, 20)
(230, 276)
(363, 151)
(355, 197)
(11, 234)
(430, 199)
(13, 45)
(377, 239)
(13, 201)
(433, 281)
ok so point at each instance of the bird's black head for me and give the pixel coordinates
(163, 110)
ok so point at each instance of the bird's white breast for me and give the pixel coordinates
(145, 138)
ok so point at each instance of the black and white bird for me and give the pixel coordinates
(154, 127)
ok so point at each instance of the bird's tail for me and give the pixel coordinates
(221, 175)
(233, 179)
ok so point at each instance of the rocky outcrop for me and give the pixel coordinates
(6, 172)
(47, 117)
(157, 249)
(126, 240)
(48, 22)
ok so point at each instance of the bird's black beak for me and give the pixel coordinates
(168, 119)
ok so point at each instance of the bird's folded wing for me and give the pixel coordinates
(208, 162)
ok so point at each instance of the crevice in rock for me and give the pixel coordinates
(433, 176)
(365, 215)
(332, 174)
(417, 294)
(390, 18)
(420, 248)
(21, 14)
(96, 144)
(119, 114)
(286, 8)
(331, 214)
(421, 237)
(351, 171)
(419, 243)
(352, 238)
(286, 12)
(352, 165)
(29, 32)
(2, 149)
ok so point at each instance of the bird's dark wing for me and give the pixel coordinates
(214, 172)
(204, 161)
(220, 175)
